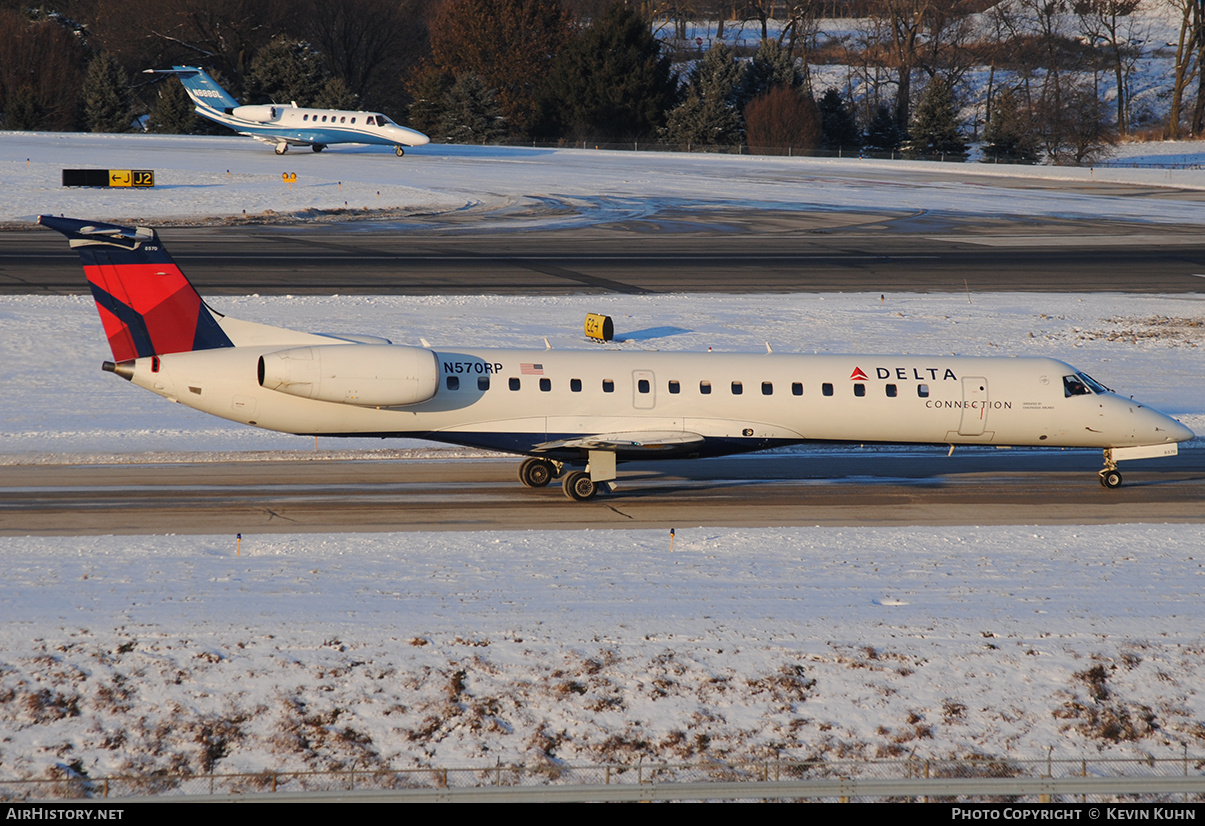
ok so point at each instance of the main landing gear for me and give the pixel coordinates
(282, 148)
(318, 147)
(578, 485)
(537, 473)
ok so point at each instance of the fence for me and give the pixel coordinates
(1090, 780)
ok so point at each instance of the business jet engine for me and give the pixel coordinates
(368, 375)
(263, 113)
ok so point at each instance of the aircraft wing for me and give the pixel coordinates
(652, 442)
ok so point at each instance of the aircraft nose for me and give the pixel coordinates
(1165, 428)
(409, 137)
(1180, 433)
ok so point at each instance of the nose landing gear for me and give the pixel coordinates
(1110, 478)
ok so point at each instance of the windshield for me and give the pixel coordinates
(1072, 386)
(1096, 386)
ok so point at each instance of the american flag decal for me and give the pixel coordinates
(529, 369)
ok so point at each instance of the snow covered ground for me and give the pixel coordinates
(129, 654)
(206, 177)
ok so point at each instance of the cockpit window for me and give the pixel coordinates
(382, 120)
(1096, 386)
(1073, 386)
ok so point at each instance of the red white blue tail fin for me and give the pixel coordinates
(147, 306)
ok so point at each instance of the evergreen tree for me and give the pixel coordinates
(840, 130)
(709, 115)
(719, 74)
(508, 44)
(23, 112)
(934, 129)
(772, 65)
(471, 113)
(609, 82)
(287, 70)
(430, 90)
(883, 134)
(106, 96)
(172, 112)
(336, 94)
(1010, 134)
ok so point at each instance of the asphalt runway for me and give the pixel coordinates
(853, 487)
(716, 251)
(739, 250)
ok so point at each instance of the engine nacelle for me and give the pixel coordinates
(262, 114)
(368, 375)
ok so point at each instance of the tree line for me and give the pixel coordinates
(481, 71)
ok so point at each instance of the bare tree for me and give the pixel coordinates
(1113, 24)
(1190, 48)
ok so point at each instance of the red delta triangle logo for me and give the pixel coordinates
(858, 375)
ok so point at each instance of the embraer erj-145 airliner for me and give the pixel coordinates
(285, 126)
(585, 410)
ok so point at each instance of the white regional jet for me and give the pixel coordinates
(586, 410)
(285, 126)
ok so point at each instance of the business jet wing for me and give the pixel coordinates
(651, 442)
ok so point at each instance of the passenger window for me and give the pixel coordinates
(453, 382)
(575, 385)
(705, 388)
(343, 120)
(305, 117)
(514, 384)
(797, 388)
(324, 118)
(737, 389)
(767, 388)
(353, 120)
(922, 390)
(643, 386)
(675, 388)
(483, 383)
(545, 385)
(608, 386)
(891, 391)
(859, 390)
(826, 388)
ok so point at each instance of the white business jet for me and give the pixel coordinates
(580, 413)
(285, 126)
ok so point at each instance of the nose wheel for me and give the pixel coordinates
(399, 150)
(1110, 478)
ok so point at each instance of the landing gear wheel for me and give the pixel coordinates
(318, 147)
(399, 150)
(579, 487)
(536, 473)
(1110, 478)
(282, 148)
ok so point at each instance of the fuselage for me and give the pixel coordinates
(533, 402)
(305, 126)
